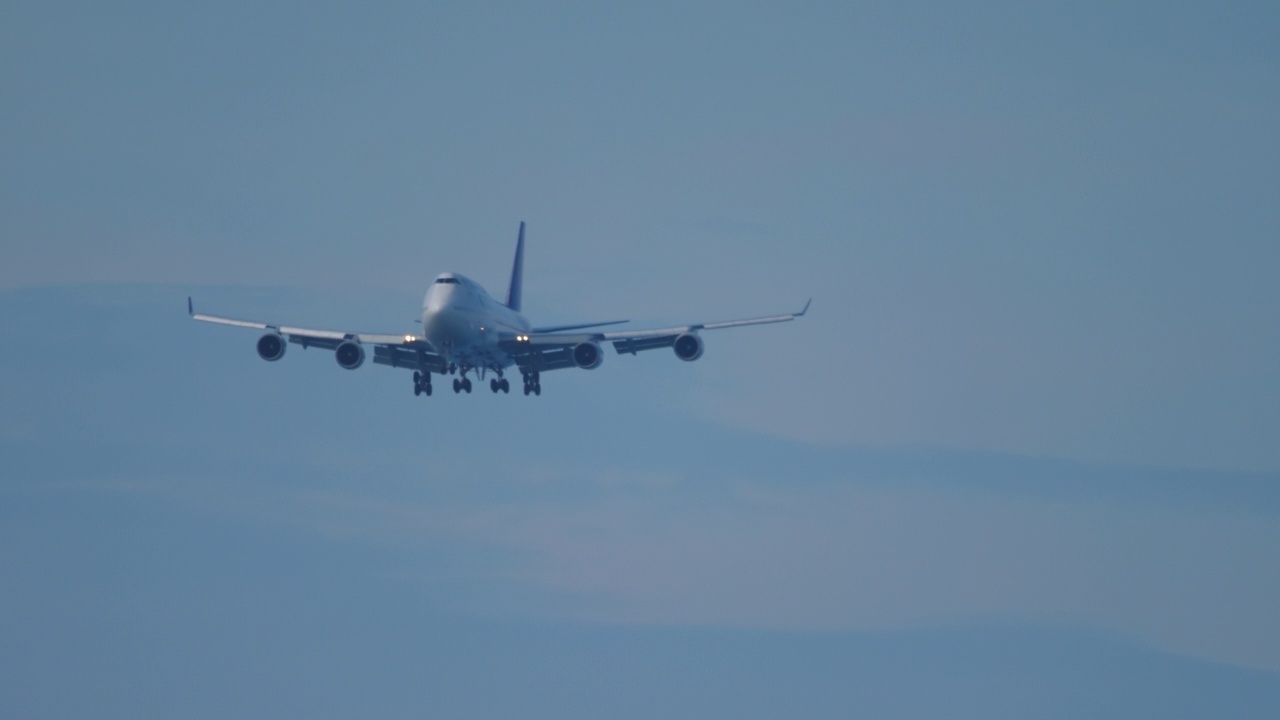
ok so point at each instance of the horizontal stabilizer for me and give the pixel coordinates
(562, 328)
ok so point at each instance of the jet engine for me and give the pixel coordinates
(588, 355)
(350, 355)
(688, 347)
(271, 346)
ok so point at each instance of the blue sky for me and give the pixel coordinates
(1019, 460)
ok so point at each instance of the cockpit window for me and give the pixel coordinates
(447, 281)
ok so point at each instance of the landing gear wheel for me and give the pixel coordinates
(457, 385)
(504, 386)
(537, 388)
(421, 383)
(466, 385)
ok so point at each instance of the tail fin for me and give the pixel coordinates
(517, 274)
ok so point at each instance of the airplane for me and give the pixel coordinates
(465, 330)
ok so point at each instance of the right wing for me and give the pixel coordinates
(394, 350)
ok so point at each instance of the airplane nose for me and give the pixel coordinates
(433, 327)
(442, 327)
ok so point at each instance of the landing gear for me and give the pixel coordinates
(532, 383)
(421, 383)
(462, 383)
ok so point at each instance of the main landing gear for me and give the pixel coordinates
(421, 383)
(532, 383)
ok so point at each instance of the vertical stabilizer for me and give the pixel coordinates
(517, 274)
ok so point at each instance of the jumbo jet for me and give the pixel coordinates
(465, 331)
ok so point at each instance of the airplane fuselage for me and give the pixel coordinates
(464, 323)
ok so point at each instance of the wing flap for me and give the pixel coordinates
(307, 341)
(516, 344)
(414, 358)
(384, 339)
(541, 360)
(632, 346)
(649, 334)
(334, 335)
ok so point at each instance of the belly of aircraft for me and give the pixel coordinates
(464, 338)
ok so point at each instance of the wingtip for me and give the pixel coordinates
(190, 308)
(806, 308)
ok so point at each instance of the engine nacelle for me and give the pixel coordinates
(588, 355)
(271, 346)
(688, 347)
(350, 355)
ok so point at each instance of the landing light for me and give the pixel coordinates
(409, 338)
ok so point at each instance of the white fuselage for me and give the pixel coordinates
(464, 323)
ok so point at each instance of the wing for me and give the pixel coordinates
(402, 350)
(553, 351)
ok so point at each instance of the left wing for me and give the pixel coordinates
(632, 341)
(395, 350)
(553, 351)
